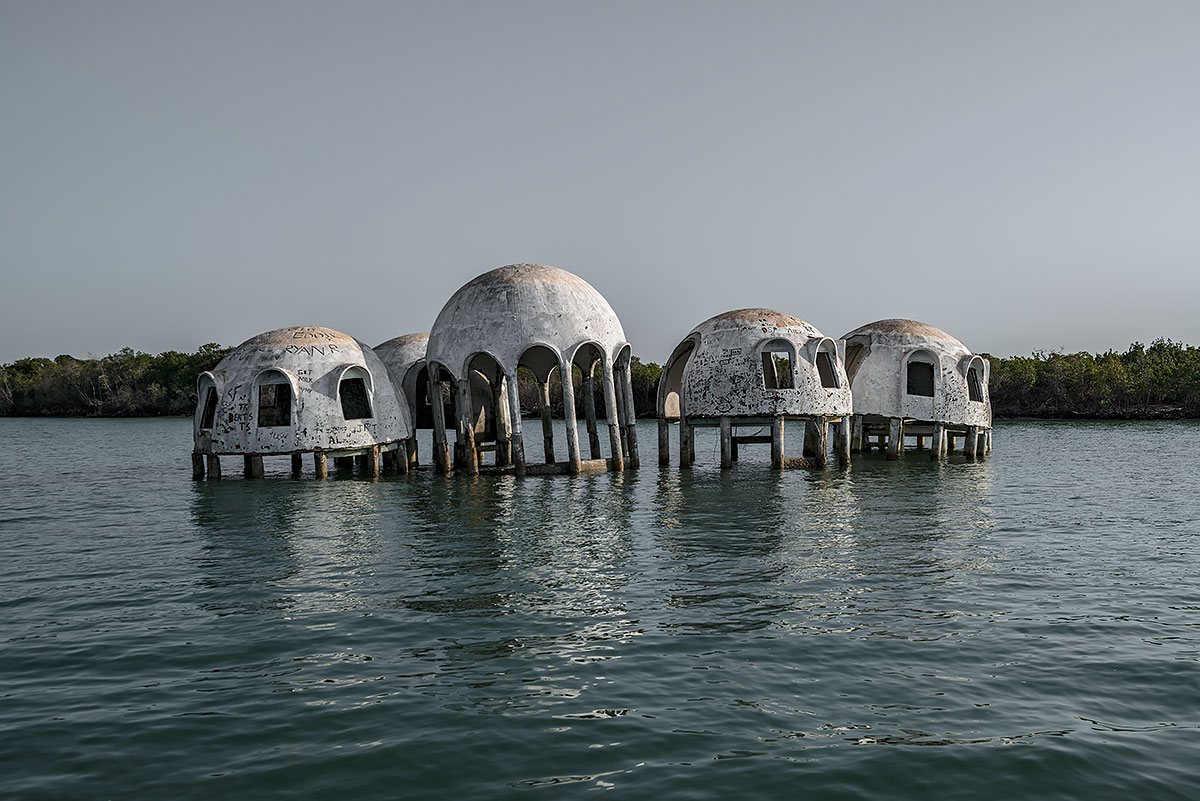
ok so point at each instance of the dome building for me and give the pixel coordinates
(911, 379)
(545, 320)
(293, 391)
(755, 367)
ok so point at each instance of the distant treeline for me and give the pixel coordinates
(1161, 380)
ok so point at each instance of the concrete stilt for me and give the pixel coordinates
(614, 418)
(547, 423)
(895, 444)
(320, 468)
(441, 450)
(733, 446)
(500, 410)
(574, 461)
(843, 441)
(400, 458)
(373, 462)
(937, 448)
(514, 410)
(685, 444)
(777, 442)
(631, 438)
(197, 465)
(589, 412)
(297, 464)
(971, 442)
(622, 430)
(820, 441)
(213, 463)
(410, 452)
(920, 442)
(691, 444)
(988, 441)
(470, 455)
(856, 433)
(810, 440)
(664, 442)
(726, 444)
(253, 466)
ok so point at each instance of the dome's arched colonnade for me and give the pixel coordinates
(313, 390)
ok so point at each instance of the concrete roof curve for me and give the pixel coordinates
(510, 309)
(909, 333)
(764, 320)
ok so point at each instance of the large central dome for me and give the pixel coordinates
(507, 310)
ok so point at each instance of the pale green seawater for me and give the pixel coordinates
(1021, 627)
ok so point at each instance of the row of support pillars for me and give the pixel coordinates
(976, 440)
(506, 413)
(816, 441)
(374, 461)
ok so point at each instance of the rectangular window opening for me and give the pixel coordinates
(210, 408)
(355, 403)
(274, 405)
(777, 370)
(920, 379)
(826, 371)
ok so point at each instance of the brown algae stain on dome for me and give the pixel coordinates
(899, 327)
(759, 317)
(401, 341)
(528, 273)
(299, 335)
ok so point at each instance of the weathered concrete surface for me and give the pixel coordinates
(878, 355)
(311, 361)
(404, 356)
(718, 370)
(507, 311)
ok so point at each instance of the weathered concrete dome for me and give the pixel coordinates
(404, 356)
(297, 389)
(885, 361)
(754, 363)
(505, 312)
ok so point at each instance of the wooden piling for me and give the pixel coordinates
(373, 462)
(895, 438)
(253, 465)
(777, 442)
(320, 467)
(726, 444)
(664, 442)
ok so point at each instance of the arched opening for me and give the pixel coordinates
(919, 375)
(778, 364)
(975, 381)
(856, 352)
(595, 395)
(206, 393)
(827, 364)
(670, 387)
(274, 390)
(536, 369)
(354, 393)
(485, 380)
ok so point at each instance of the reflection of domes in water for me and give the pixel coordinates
(505, 311)
(297, 389)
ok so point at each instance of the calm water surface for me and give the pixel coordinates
(1024, 627)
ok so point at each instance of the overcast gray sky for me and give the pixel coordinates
(1021, 174)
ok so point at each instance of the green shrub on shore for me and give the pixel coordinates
(1161, 380)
